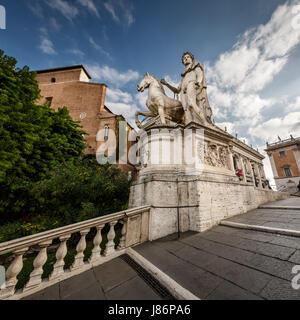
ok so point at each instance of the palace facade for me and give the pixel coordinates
(284, 156)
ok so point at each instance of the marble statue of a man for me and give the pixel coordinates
(192, 90)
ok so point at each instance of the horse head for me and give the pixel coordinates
(145, 83)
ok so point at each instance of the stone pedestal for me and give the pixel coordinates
(187, 175)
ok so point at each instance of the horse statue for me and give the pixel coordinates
(158, 103)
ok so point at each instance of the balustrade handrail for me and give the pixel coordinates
(136, 220)
(284, 141)
(12, 245)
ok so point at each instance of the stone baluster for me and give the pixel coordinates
(78, 262)
(38, 263)
(97, 241)
(122, 243)
(60, 255)
(12, 272)
(110, 246)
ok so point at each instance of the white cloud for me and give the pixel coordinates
(112, 75)
(77, 52)
(127, 110)
(237, 78)
(294, 106)
(141, 98)
(232, 67)
(229, 126)
(116, 95)
(97, 46)
(54, 24)
(36, 8)
(283, 127)
(120, 10)
(245, 140)
(259, 55)
(127, 9)
(46, 44)
(110, 8)
(68, 10)
(90, 5)
(263, 73)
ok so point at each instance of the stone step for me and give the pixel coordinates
(288, 232)
(279, 207)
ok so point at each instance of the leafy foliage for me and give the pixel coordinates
(72, 193)
(45, 180)
(33, 139)
(78, 192)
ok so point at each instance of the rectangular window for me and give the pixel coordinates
(282, 154)
(49, 100)
(287, 172)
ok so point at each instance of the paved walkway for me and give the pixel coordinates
(114, 280)
(223, 263)
(291, 202)
(274, 217)
(227, 263)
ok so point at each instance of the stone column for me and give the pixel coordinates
(244, 170)
(259, 176)
(262, 173)
(252, 173)
(273, 164)
(231, 159)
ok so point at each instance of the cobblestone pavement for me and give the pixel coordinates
(275, 218)
(114, 280)
(291, 202)
(229, 264)
(222, 263)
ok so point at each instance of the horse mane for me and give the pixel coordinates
(160, 85)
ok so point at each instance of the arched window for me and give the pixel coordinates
(287, 172)
(53, 80)
(235, 163)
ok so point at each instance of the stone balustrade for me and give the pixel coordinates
(135, 230)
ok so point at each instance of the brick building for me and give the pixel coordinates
(85, 100)
(284, 156)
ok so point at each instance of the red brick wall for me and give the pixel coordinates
(78, 97)
(60, 76)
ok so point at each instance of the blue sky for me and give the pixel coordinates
(250, 51)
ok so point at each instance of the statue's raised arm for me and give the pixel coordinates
(173, 89)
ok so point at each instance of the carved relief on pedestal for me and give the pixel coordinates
(223, 157)
(216, 155)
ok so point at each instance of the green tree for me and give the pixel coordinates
(33, 138)
(82, 191)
